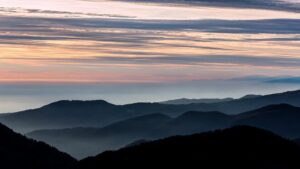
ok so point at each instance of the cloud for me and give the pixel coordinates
(271, 26)
(283, 5)
(177, 60)
(53, 13)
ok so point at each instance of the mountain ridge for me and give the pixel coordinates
(285, 123)
(251, 148)
(17, 151)
(70, 114)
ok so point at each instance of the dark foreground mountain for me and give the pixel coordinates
(70, 114)
(235, 148)
(281, 119)
(18, 152)
(83, 142)
(298, 141)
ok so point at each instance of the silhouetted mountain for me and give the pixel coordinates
(298, 141)
(234, 148)
(64, 114)
(195, 122)
(282, 119)
(83, 142)
(250, 96)
(122, 133)
(228, 107)
(70, 114)
(19, 152)
(136, 143)
(191, 101)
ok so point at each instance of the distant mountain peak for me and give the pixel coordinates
(250, 96)
(75, 102)
(195, 101)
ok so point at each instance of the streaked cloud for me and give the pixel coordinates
(285, 5)
(130, 51)
(117, 50)
(192, 10)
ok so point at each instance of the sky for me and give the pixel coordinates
(130, 51)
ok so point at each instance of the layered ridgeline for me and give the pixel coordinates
(281, 119)
(83, 142)
(70, 114)
(235, 148)
(19, 152)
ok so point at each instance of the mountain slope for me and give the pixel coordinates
(298, 141)
(70, 114)
(191, 101)
(16, 151)
(64, 114)
(83, 142)
(283, 119)
(237, 147)
(194, 122)
(229, 107)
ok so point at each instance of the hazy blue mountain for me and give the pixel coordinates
(229, 107)
(83, 142)
(283, 119)
(235, 148)
(250, 96)
(250, 103)
(195, 122)
(190, 101)
(70, 114)
(64, 114)
(19, 152)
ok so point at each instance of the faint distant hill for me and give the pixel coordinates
(234, 148)
(70, 114)
(236, 106)
(19, 152)
(190, 101)
(281, 119)
(83, 142)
